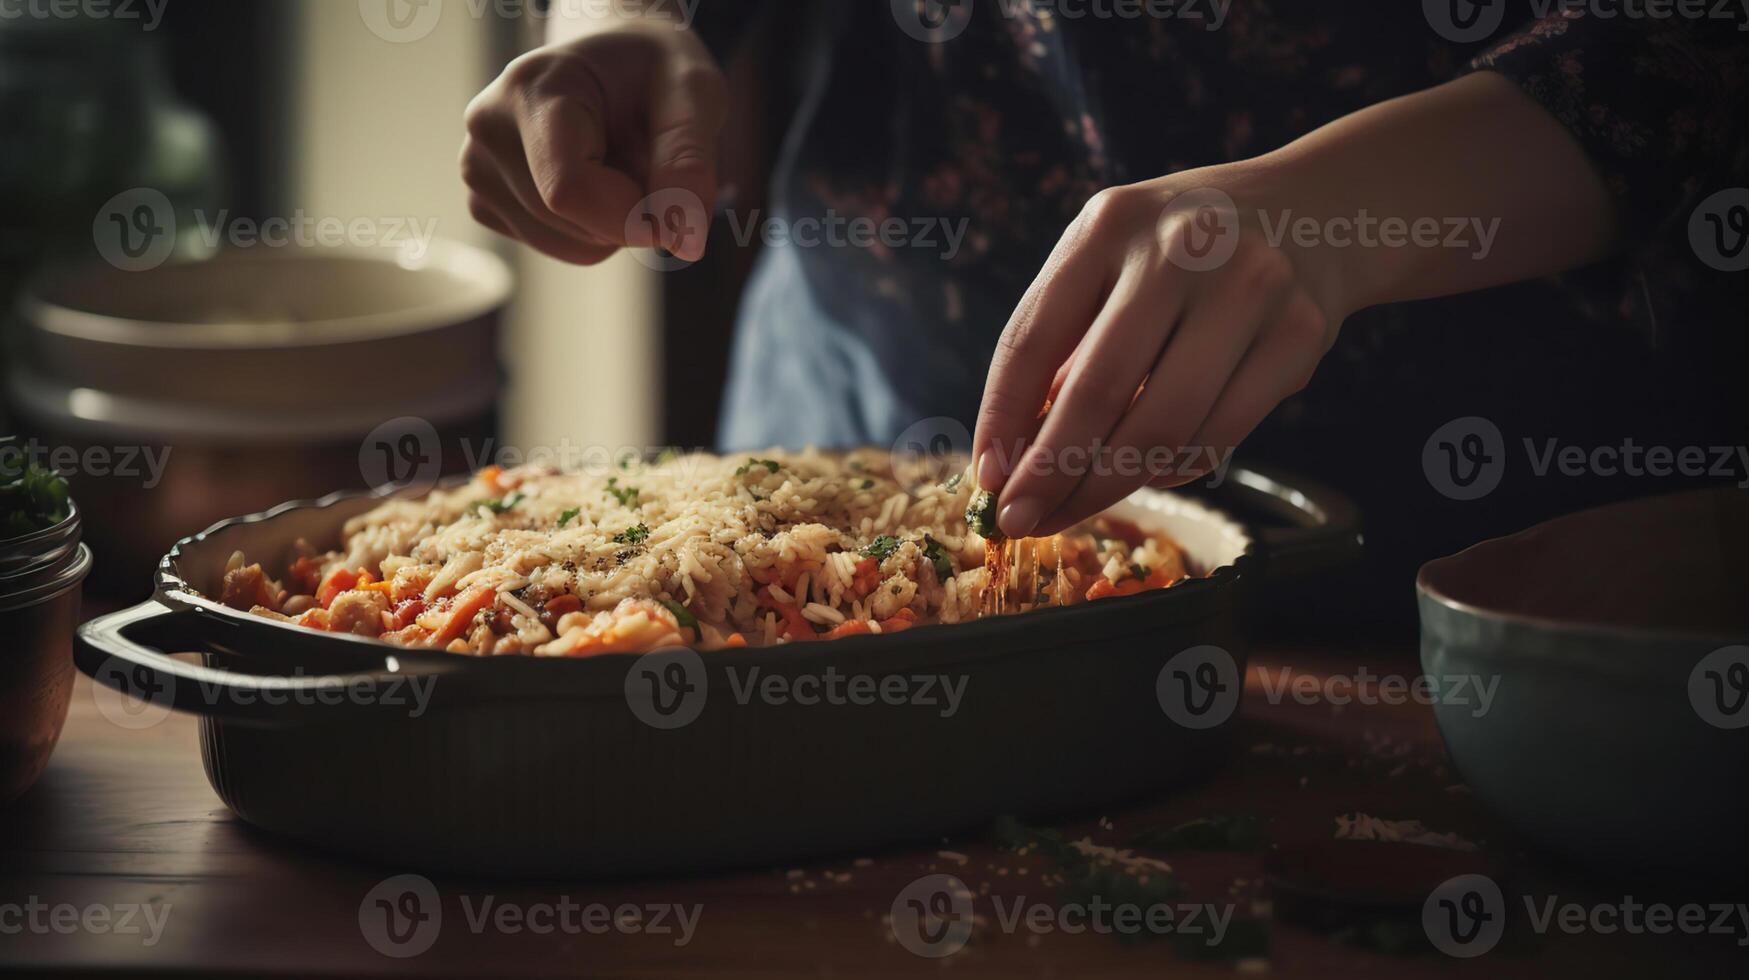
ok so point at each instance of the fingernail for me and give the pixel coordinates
(989, 470)
(1017, 519)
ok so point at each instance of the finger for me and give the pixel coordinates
(1041, 333)
(1279, 365)
(493, 206)
(564, 142)
(494, 161)
(686, 119)
(1198, 364)
(1108, 368)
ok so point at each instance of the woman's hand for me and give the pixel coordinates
(1162, 330)
(566, 147)
(1175, 314)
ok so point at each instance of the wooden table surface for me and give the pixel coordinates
(125, 818)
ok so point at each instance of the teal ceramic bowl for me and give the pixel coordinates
(1616, 645)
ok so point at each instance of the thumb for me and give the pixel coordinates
(686, 118)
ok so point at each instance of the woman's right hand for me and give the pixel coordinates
(577, 145)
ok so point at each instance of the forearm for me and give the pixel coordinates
(1475, 159)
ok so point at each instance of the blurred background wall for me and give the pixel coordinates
(378, 126)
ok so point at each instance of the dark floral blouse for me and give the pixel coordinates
(999, 118)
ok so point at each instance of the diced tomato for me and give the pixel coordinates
(338, 581)
(793, 573)
(462, 611)
(304, 576)
(559, 605)
(1128, 531)
(866, 577)
(1159, 578)
(405, 612)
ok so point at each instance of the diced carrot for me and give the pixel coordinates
(735, 640)
(797, 626)
(338, 581)
(849, 627)
(1103, 587)
(904, 619)
(489, 476)
(465, 607)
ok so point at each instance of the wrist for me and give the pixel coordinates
(1274, 203)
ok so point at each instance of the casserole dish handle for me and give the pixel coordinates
(1321, 526)
(117, 651)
